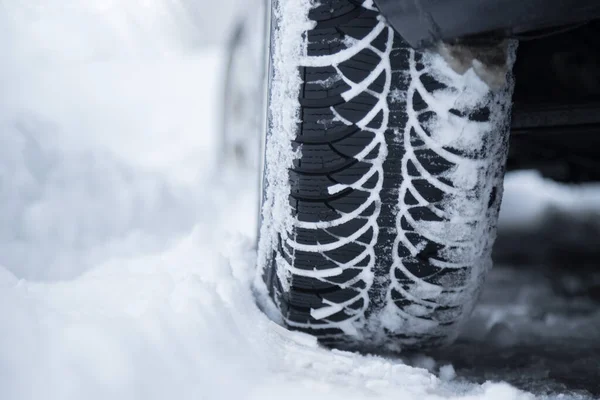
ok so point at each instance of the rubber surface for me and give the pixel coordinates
(389, 246)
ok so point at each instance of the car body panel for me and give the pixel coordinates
(424, 23)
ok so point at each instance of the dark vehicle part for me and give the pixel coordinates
(423, 23)
(556, 113)
(383, 175)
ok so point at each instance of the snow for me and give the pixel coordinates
(528, 198)
(447, 372)
(290, 20)
(125, 264)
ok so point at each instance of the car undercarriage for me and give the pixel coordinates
(556, 113)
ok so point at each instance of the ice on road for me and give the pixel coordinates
(125, 258)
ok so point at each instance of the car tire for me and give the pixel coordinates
(383, 180)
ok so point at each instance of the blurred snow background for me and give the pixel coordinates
(107, 114)
(124, 263)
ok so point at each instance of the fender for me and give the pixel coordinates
(425, 23)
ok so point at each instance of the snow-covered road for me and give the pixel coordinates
(125, 257)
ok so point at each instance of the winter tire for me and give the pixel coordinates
(383, 180)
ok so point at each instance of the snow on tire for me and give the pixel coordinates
(383, 180)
